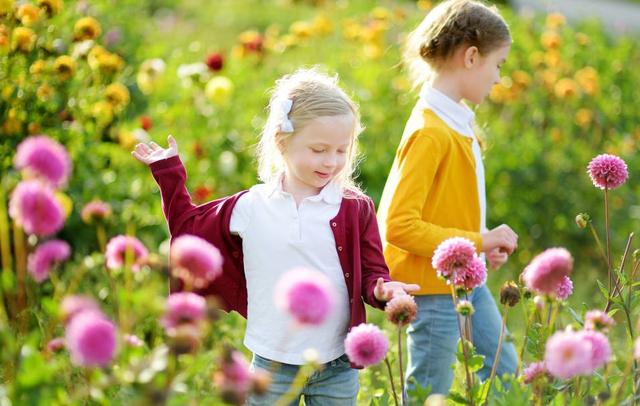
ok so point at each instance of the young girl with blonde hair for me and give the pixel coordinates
(436, 189)
(307, 213)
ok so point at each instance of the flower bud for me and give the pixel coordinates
(465, 308)
(582, 220)
(509, 294)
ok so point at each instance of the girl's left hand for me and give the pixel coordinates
(496, 258)
(385, 291)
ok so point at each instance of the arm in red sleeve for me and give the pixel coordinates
(372, 259)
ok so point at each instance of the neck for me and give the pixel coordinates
(298, 190)
(448, 85)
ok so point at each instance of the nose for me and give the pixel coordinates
(330, 160)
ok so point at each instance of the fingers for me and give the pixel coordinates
(142, 149)
(154, 146)
(172, 143)
(138, 157)
(411, 287)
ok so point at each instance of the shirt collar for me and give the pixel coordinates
(458, 114)
(331, 193)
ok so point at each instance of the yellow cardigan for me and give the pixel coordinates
(431, 195)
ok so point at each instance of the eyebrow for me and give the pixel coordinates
(324, 144)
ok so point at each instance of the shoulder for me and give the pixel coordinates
(358, 202)
(425, 132)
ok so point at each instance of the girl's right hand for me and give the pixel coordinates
(501, 237)
(151, 152)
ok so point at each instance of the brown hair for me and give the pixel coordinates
(449, 26)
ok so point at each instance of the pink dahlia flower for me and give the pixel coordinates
(133, 340)
(564, 288)
(598, 320)
(451, 254)
(470, 276)
(401, 310)
(195, 260)
(73, 305)
(568, 354)
(607, 171)
(55, 344)
(548, 270)
(117, 248)
(234, 379)
(366, 345)
(34, 206)
(91, 339)
(184, 307)
(95, 211)
(42, 157)
(45, 256)
(600, 348)
(533, 371)
(306, 295)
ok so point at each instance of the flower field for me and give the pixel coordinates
(85, 311)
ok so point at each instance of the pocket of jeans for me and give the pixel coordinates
(344, 361)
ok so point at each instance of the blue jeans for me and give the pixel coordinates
(335, 384)
(432, 339)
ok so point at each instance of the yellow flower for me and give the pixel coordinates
(101, 59)
(587, 78)
(117, 95)
(584, 117)
(552, 58)
(352, 30)
(401, 84)
(66, 203)
(219, 90)
(38, 67)
(555, 20)
(51, 7)
(381, 13)
(12, 126)
(582, 38)
(149, 74)
(556, 135)
(86, 28)
(7, 92)
(521, 79)
(24, 39)
(322, 24)
(373, 51)
(44, 92)
(27, 14)
(424, 4)
(301, 29)
(548, 78)
(126, 139)
(102, 111)
(6, 6)
(503, 92)
(565, 88)
(536, 59)
(550, 40)
(65, 66)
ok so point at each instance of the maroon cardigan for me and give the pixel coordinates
(355, 230)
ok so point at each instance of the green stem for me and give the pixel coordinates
(464, 350)
(616, 287)
(598, 243)
(607, 234)
(393, 386)
(400, 363)
(496, 360)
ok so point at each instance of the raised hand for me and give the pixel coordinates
(148, 153)
(496, 258)
(502, 237)
(385, 291)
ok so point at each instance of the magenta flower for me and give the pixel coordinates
(45, 256)
(184, 307)
(547, 270)
(44, 158)
(366, 345)
(34, 206)
(73, 305)
(306, 295)
(568, 354)
(600, 348)
(470, 276)
(534, 371)
(451, 254)
(564, 288)
(234, 379)
(597, 320)
(607, 171)
(117, 248)
(195, 260)
(96, 210)
(91, 339)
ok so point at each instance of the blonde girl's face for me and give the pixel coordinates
(317, 153)
(484, 73)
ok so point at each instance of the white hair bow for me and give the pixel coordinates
(282, 107)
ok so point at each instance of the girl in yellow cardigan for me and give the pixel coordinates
(436, 186)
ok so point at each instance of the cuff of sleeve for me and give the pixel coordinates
(166, 164)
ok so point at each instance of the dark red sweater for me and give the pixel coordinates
(355, 230)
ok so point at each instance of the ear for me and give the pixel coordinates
(471, 56)
(280, 142)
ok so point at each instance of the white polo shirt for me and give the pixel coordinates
(277, 236)
(460, 118)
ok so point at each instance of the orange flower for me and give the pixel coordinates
(587, 78)
(555, 20)
(565, 88)
(582, 38)
(552, 58)
(86, 28)
(521, 79)
(550, 40)
(27, 14)
(44, 92)
(24, 39)
(584, 117)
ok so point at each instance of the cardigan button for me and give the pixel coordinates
(340, 248)
(334, 224)
(346, 275)
(235, 254)
(350, 300)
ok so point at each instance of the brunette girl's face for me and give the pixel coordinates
(483, 72)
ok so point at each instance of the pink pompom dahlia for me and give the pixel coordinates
(564, 288)
(451, 254)
(195, 260)
(598, 320)
(73, 305)
(91, 339)
(548, 270)
(366, 345)
(534, 371)
(306, 295)
(184, 307)
(34, 206)
(46, 256)
(607, 171)
(94, 211)
(568, 354)
(42, 157)
(122, 245)
(600, 348)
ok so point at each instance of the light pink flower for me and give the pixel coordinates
(401, 310)
(91, 339)
(96, 210)
(117, 249)
(133, 340)
(55, 344)
(34, 206)
(366, 345)
(184, 307)
(547, 270)
(607, 171)
(73, 305)
(470, 276)
(568, 354)
(195, 260)
(44, 158)
(598, 320)
(45, 256)
(564, 288)
(600, 348)
(636, 349)
(234, 379)
(306, 295)
(533, 371)
(451, 254)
